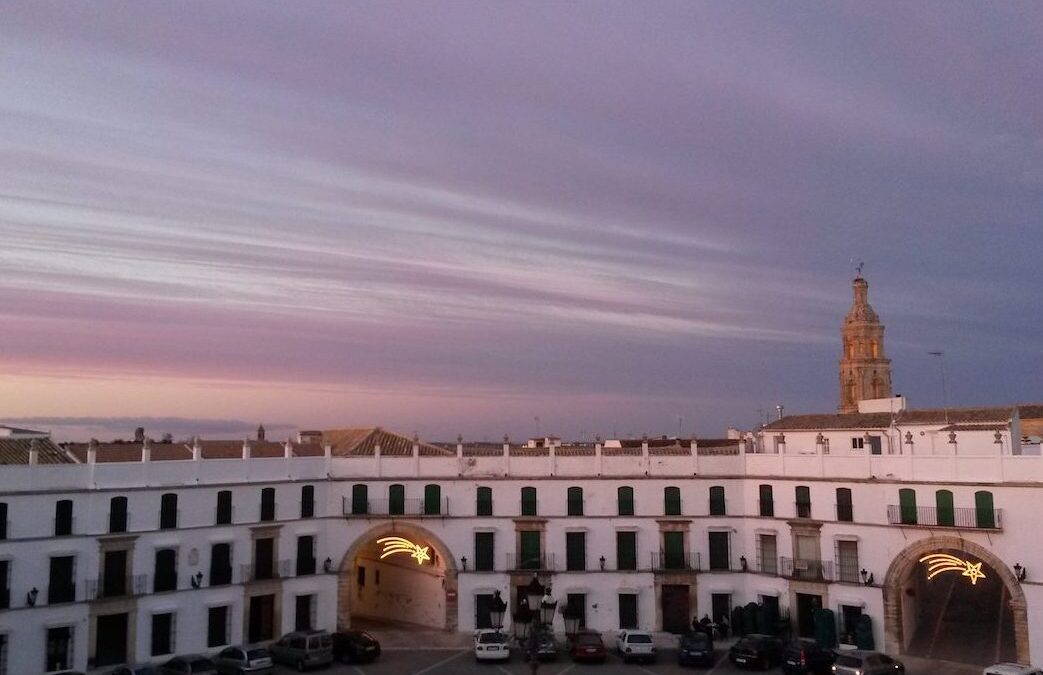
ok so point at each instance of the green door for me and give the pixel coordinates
(359, 499)
(946, 513)
(907, 506)
(530, 550)
(985, 515)
(528, 501)
(672, 501)
(396, 500)
(625, 496)
(432, 500)
(673, 550)
(717, 504)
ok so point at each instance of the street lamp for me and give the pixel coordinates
(522, 620)
(1020, 572)
(534, 621)
(867, 577)
(572, 616)
(496, 611)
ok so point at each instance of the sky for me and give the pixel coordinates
(580, 218)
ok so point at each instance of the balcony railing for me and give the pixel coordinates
(932, 516)
(60, 592)
(119, 587)
(806, 570)
(251, 573)
(221, 575)
(394, 507)
(768, 565)
(541, 562)
(305, 566)
(847, 571)
(675, 560)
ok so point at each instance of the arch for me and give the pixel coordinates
(410, 531)
(901, 568)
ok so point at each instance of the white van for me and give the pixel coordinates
(1011, 669)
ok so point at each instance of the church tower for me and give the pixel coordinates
(864, 370)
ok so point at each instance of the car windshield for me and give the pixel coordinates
(491, 638)
(258, 654)
(696, 640)
(849, 661)
(639, 638)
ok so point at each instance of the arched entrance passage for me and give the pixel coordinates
(909, 599)
(407, 591)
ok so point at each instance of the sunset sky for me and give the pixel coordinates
(460, 217)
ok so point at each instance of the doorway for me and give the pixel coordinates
(262, 618)
(110, 647)
(675, 608)
(807, 603)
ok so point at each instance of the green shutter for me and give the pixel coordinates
(359, 499)
(432, 500)
(946, 512)
(397, 500)
(575, 501)
(767, 501)
(626, 550)
(530, 550)
(803, 494)
(907, 506)
(672, 501)
(575, 551)
(845, 511)
(985, 515)
(625, 496)
(528, 501)
(717, 504)
(484, 550)
(719, 558)
(484, 503)
(673, 550)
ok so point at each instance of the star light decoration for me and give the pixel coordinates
(394, 545)
(945, 562)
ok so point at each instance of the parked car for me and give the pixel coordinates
(695, 649)
(304, 649)
(587, 646)
(189, 664)
(142, 669)
(1012, 669)
(806, 656)
(239, 660)
(756, 651)
(546, 648)
(355, 646)
(635, 645)
(860, 662)
(491, 645)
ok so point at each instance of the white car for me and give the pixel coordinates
(860, 662)
(491, 645)
(1011, 669)
(636, 645)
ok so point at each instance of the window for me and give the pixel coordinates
(528, 501)
(264, 558)
(845, 510)
(803, 493)
(162, 634)
(224, 508)
(717, 504)
(943, 504)
(625, 500)
(221, 564)
(530, 555)
(114, 574)
(268, 504)
(875, 444)
(118, 514)
(767, 554)
(5, 587)
(857, 443)
(305, 555)
(719, 554)
(673, 551)
(3, 522)
(907, 506)
(168, 511)
(626, 550)
(627, 610)
(575, 551)
(63, 517)
(720, 606)
(61, 585)
(578, 601)
(483, 603)
(849, 616)
(847, 561)
(59, 648)
(217, 626)
(307, 501)
(984, 514)
(304, 612)
(484, 502)
(166, 571)
(432, 500)
(484, 551)
(767, 501)
(672, 501)
(396, 499)
(575, 501)
(359, 499)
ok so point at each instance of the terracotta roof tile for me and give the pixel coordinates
(16, 451)
(883, 420)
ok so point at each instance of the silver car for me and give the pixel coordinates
(236, 660)
(859, 662)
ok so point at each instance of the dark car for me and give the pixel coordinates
(546, 648)
(355, 646)
(756, 651)
(587, 646)
(695, 649)
(143, 669)
(192, 664)
(807, 656)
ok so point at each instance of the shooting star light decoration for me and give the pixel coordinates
(944, 562)
(393, 545)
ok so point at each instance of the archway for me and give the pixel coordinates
(933, 614)
(405, 586)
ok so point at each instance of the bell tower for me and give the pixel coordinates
(865, 372)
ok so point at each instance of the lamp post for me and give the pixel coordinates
(1020, 572)
(533, 626)
(496, 611)
(867, 577)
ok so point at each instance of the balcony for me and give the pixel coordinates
(117, 587)
(355, 508)
(221, 575)
(667, 561)
(543, 562)
(61, 592)
(806, 570)
(265, 572)
(931, 516)
(305, 566)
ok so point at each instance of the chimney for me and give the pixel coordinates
(34, 451)
(146, 450)
(92, 451)
(260, 432)
(287, 448)
(246, 448)
(416, 445)
(459, 445)
(139, 435)
(197, 449)
(778, 411)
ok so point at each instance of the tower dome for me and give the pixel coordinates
(865, 371)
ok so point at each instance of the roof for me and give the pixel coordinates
(165, 452)
(974, 416)
(364, 441)
(16, 451)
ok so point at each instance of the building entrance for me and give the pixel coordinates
(807, 603)
(111, 640)
(677, 616)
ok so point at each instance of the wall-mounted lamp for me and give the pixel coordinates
(743, 563)
(327, 565)
(197, 579)
(867, 577)
(463, 562)
(30, 597)
(1020, 572)
(602, 561)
